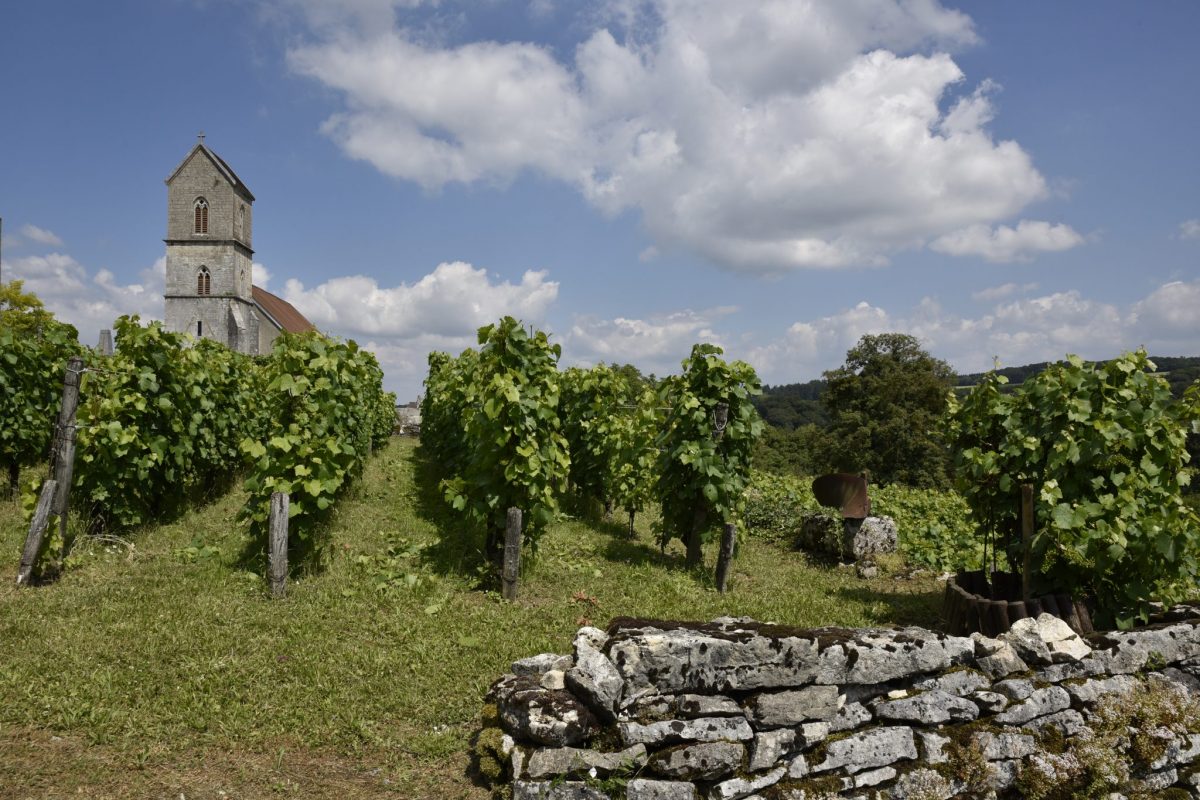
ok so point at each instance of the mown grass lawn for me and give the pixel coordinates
(162, 669)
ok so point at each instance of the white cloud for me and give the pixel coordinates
(1003, 291)
(41, 235)
(452, 301)
(1022, 331)
(1189, 229)
(90, 302)
(260, 275)
(655, 345)
(1003, 244)
(764, 136)
(441, 311)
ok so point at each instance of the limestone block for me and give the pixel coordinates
(1089, 692)
(704, 762)
(683, 660)
(1068, 723)
(541, 664)
(770, 746)
(990, 702)
(736, 788)
(554, 761)
(692, 706)
(594, 679)
(995, 657)
(849, 716)
(785, 709)
(550, 790)
(1038, 704)
(711, 729)
(928, 708)
(643, 789)
(923, 784)
(553, 680)
(933, 747)
(875, 535)
(874, 777)
(997, 746)
(877, 747)
(531, 713)
(1014, 688)
(961, 682)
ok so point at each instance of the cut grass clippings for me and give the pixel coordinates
(164, 669)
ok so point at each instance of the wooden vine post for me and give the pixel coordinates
(1026, 537)
(63, 456)
(511, 572)
(725, 557)
(37, 528)
(277, 557)
(694, 552)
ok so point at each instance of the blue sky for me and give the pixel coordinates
(1013, 180)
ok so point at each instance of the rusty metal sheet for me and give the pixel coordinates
(845, 492)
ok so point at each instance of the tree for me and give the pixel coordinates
(23, 312)
(886, 405)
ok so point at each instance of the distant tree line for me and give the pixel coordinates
(882, 412)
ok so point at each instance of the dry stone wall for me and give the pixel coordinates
(651, 710)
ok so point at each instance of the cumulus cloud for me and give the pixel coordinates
(260, 275)
(1189, 229)
(1004, 244)
(440, 311)
(765, 136)
(40, 235)
(655, 345)
(1021, 331)
(452, 301)
(89, 301)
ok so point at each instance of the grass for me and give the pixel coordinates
(163, 668)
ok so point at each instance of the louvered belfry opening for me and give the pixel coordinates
(201, 208)
(204, 282)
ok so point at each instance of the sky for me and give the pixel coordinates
(1008, 182)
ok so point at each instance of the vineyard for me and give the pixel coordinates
(165, 422)
(152, 644)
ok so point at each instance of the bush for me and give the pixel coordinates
(1104, 448)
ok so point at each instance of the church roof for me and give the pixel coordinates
(221, 166)
(281, 312)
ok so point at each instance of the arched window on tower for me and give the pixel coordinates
(203, 282)
(201, 209)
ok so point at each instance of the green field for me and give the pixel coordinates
(160, 667)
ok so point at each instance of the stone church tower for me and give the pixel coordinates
(209, 290)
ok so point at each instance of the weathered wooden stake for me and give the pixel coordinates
(725, 557)
(1026, 537)
(277, 564)
(511, 572)
(63, 457)
(33, 542)
(14, 480)
(105, 347)
(631, 513)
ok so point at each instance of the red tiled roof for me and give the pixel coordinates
(281, 312)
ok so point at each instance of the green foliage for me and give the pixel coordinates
(933, 527)
(703, 474)
(23, 312)
(591, 409)
(326, 406)
(31, 383)
(448, 401)
(515, 454)
(886, 404)
(1104, 448)
(158, 421)
(803, 451)
(634, 452)
(793, 405)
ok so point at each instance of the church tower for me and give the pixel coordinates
(209, 293)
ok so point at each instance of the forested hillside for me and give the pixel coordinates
(793, 405)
